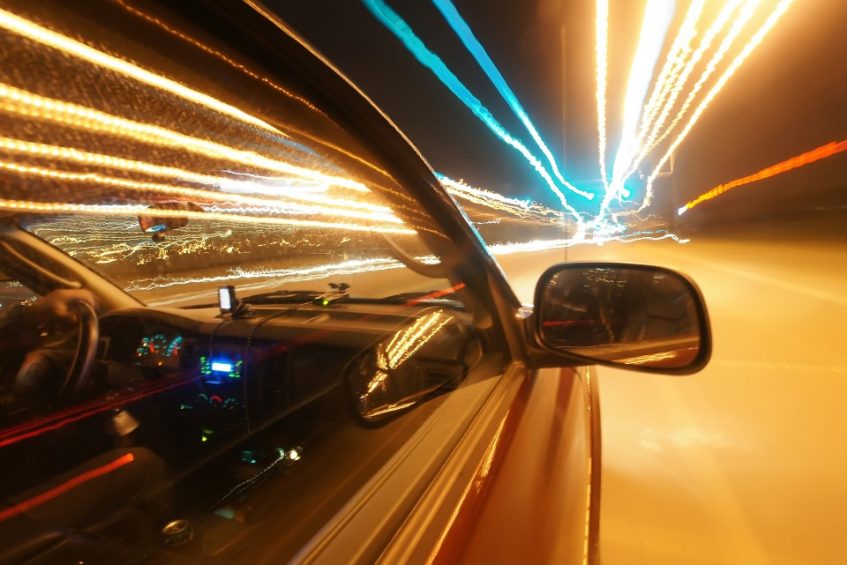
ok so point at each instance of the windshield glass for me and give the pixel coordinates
(212, 174)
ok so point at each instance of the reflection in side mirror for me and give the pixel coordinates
(414, 364)
(645, 317)
(156, 225)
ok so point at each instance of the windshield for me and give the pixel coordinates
(212, 174)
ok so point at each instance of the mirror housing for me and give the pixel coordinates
(623, 315)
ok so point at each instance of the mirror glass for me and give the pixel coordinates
(414, 364)
(632, 315)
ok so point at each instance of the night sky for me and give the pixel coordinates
(788, 97)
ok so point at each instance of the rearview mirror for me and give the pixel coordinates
(647, 318)
(156, 225)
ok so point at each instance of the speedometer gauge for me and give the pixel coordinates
(158, 350)
(151, 346)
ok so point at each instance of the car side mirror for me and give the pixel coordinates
(636, 316)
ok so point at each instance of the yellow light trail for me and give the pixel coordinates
(654, 26)
(263, 205)
(121, 210)
(414, 337)
(706, 42)
(754, 41)
(822, 152)
(21, 26)
(215, 53)
(78, 156)
(602, 32)
(670, 72)
(747, 13)
(32, 105)
(254, 75)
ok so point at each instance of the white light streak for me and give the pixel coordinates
(771, 21)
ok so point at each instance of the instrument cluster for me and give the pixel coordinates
(159, 350)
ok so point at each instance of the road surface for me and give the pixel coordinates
(746, 461)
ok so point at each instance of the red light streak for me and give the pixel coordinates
(801, 160)
(436, 294)
(62, 488)
(37, 427)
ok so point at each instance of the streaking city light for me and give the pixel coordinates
(215, 53)
(657, 18)
(49, 38)
(654, 128)
(602, 32)
(514, 207)
(674, 61)
(475, 48)
(124, 210)
(394, 23)
(81, 117)
(822, 152)
(744, 17)
(754, 41)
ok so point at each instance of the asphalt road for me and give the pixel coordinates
(745, 461)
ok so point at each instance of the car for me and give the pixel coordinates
(243, 321)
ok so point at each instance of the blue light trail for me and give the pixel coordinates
(394, 23)
(475, 48)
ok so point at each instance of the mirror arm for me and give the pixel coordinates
(540, 356)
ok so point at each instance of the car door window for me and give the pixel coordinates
(144, 147)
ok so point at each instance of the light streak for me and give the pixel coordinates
(258, 205)
(747, 13)
(62, 488)
(279, 275)
(82, 117)
(215, 53)
(475, 48)
(754, 41)
(393, 22)
(822, 152)
(670, 75)
(657, 18)
(50, 38)
(602, 32)
(656, 126)
(405, 343)
(247, 483)
(498, 202)
(254, 75)
(123, 210)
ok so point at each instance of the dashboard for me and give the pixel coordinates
(201, 379)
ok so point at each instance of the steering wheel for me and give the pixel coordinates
(85, 354)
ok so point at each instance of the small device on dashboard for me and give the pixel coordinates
(227, 300)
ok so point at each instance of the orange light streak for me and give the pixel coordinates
(822, 152)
